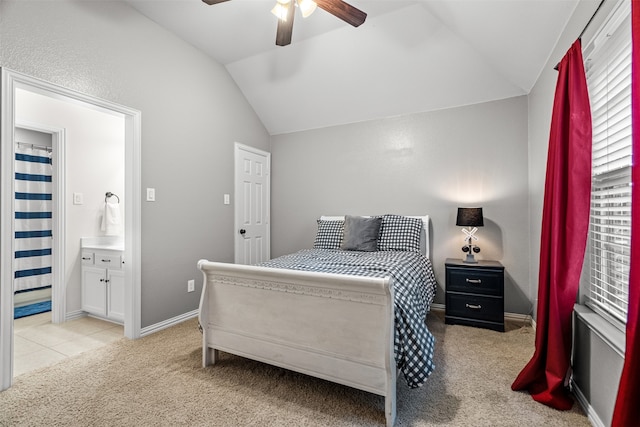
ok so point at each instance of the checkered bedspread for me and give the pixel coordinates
(414, 287)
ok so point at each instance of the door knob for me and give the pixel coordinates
(243, 231)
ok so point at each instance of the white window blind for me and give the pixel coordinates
(608, 69)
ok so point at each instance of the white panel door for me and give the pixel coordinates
(252, 205)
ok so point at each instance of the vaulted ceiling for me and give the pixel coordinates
(408, 57)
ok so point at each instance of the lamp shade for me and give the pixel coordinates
(281, 9)
(470, 217)
(307, 7)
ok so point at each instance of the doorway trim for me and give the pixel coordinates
(58, 288)
(10, 81)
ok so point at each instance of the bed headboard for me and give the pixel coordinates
(424, 236)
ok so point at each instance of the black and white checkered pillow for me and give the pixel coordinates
(400, 233)
(329, 234)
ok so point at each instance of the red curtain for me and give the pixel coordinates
(627, 409)
(565, 223)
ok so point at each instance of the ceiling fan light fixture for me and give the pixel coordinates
(285, 10)
(281, 9)
(307, 7)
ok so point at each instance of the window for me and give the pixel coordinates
(608, 69)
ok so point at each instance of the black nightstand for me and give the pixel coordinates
(475, 294)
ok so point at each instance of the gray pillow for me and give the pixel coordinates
(360, 234)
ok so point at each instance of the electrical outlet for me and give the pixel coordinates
(191, 285)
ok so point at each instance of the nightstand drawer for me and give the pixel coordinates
(474, 294)
(476, 281)
(475, 307)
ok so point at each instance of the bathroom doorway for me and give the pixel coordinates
(13, 84)
(35, 205)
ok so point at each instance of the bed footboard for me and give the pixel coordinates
(336, 327)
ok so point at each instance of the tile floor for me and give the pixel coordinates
(39, 343)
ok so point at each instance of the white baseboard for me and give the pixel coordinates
(168, 323)
(72, 315)
(516, 317)
(520, 318)
(149, 329)
(594, 419)
(437, 307)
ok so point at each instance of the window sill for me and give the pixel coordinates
(608, 333)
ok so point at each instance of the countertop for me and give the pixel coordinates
(108, 243)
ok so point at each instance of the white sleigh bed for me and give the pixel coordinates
(339, 327)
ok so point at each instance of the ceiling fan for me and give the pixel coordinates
(284, 10)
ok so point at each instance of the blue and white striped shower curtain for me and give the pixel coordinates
(33, 223)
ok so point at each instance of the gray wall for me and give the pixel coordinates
(427, 163)
(598, 349)
(192, 112)
(596, 364)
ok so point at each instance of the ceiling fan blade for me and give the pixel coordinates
(210, 2)
(285, 28)
(344, 11)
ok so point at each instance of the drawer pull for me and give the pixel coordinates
(474, 306)
(474, 281)
(106, 260)
(86, 259)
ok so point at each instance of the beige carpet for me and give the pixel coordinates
(158, 381)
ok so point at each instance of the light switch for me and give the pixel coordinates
(78, 198)
(151, 194)
(226, 199)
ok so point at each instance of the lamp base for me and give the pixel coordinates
(470, 259)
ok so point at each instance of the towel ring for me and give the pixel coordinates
(110, 194)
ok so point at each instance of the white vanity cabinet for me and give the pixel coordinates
(103, 283)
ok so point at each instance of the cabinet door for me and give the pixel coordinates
(94, 291)
(115, 295)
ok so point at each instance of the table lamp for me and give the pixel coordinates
(472, 219)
